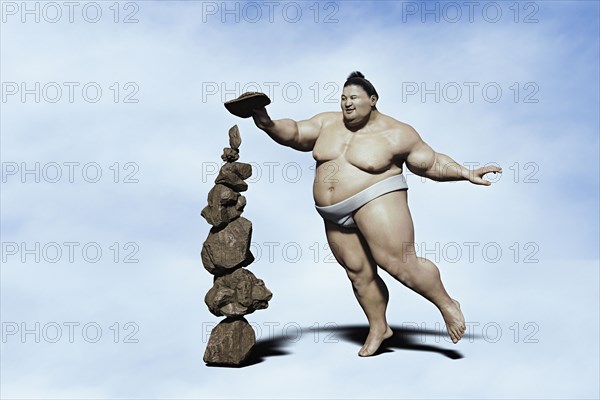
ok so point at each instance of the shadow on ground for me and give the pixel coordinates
(262, 349)
(403, 339)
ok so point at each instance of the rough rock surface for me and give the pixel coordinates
(235, 139)
(230, 342)
(232, 174)
(229, 248)
(224, 205)
(230, 154)
(236, 291)
(236, 294)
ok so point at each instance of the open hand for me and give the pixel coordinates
(476, 176)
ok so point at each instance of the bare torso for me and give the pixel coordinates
(355, 149)
(348, 162)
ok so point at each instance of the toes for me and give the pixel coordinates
(452, 334)
(364, 353)
(455, 332)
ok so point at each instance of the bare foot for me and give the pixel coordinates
(455, 321)
(374, 341)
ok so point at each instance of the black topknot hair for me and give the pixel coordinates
(357, 78)
(355, 74)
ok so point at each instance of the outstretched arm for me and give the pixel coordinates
(300, 135)
(424, 161)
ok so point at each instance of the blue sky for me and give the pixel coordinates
(521, 255)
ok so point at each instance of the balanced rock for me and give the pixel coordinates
(224, 205)
(235, 139)
(230, 342)
(229, 248)
(232, 174)
(230, 155)
(236, 294)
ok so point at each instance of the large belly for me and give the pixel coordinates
(336, 180)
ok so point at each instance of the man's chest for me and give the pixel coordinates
(371, 151)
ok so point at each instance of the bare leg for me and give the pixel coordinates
(386, 224)
(350, 250)
(422, 276)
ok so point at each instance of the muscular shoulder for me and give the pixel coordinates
(327, 117)
(402, 136)
(309, 130)
(320, 120)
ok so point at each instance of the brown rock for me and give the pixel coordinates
(222, 195)
(229, 248)
(235, 140)
(241, 203)
(230, 155)
(236, 294)
(224, 205)
(232, 174)
(230, 342)
(243, 170)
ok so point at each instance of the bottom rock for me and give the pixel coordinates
(230, 342)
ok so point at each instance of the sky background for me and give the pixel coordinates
(112, 127)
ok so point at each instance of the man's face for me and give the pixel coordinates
(356, 104)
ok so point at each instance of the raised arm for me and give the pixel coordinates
(300, 135)
(424, 161)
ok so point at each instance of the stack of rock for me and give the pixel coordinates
(236, 291)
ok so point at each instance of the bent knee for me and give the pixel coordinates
(404, 269)
(355, 264)
(360, 276)
(389, 262)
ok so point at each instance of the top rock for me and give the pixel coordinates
(235, 140)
